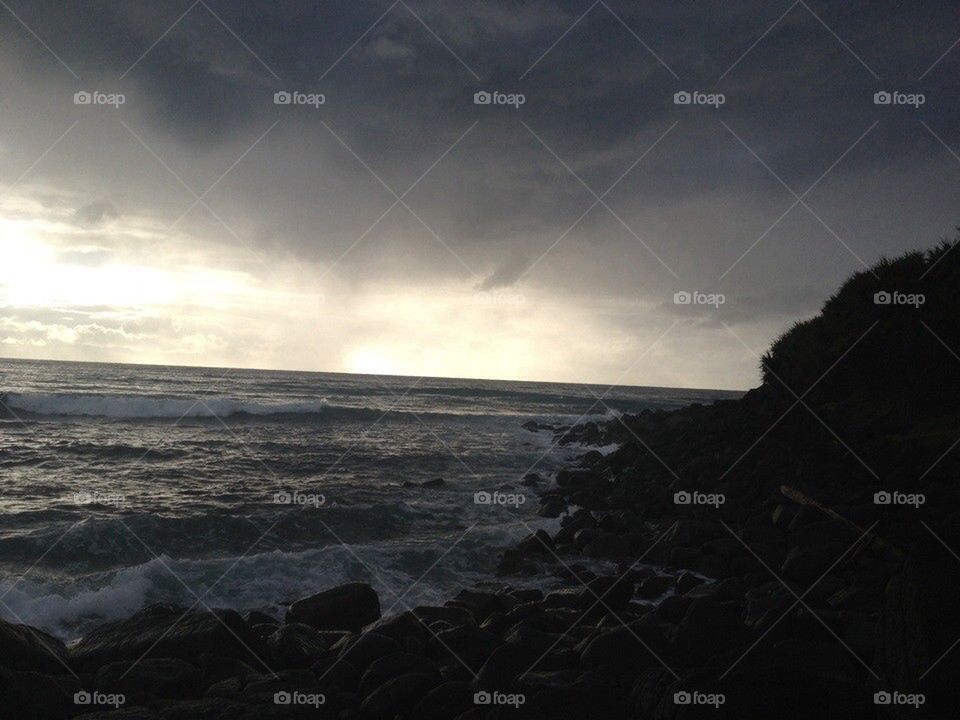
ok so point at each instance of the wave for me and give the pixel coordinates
(147, 406)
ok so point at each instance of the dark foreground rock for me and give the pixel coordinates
(348, 607)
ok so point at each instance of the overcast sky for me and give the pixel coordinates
(400, 227)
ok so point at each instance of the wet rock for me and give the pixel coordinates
(687, 581)
(362, 651)
(396, 696)
(167, 631)
(347, 607)
(296, 645)
(25, 648)
(539, 543)
(447, 700)
(479, 604)
(150, 678)
(391, 666)
(653, 587)
(256, 617)
(552, 507)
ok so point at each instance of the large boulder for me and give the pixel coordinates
(168, 631)
(149, 679)
(36, 696)
(921, 624)
(295, 645)
(347, 607)
(396, 696)
(25, 648)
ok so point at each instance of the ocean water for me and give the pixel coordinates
(124, 485)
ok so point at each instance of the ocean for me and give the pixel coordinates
(126, 485)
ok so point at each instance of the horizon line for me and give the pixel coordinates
(375, 375)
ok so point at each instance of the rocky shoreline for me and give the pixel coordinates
(798, 548)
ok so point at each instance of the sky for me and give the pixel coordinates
(389, 220)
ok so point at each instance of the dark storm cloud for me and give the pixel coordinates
(399, 81)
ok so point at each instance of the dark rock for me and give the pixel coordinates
(806, 564)
(391, 666)
(35, 696)
(450, 614)
(255, 617)
(347, 607)
(552, 507)
(480, 604)
(585, 536)
(445, 701)
(362, 651)
(673, 608)
(215, 669)
(821, 532)
(396, 696)
(653, 587)
(539, 543)
(167, 631)
(687, 581)
(531, 479)
(150, 678)
(296, 645)
(25, 648)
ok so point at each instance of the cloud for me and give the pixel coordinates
(506, 274)
(95, 213)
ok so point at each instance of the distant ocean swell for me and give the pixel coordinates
(145, 406)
